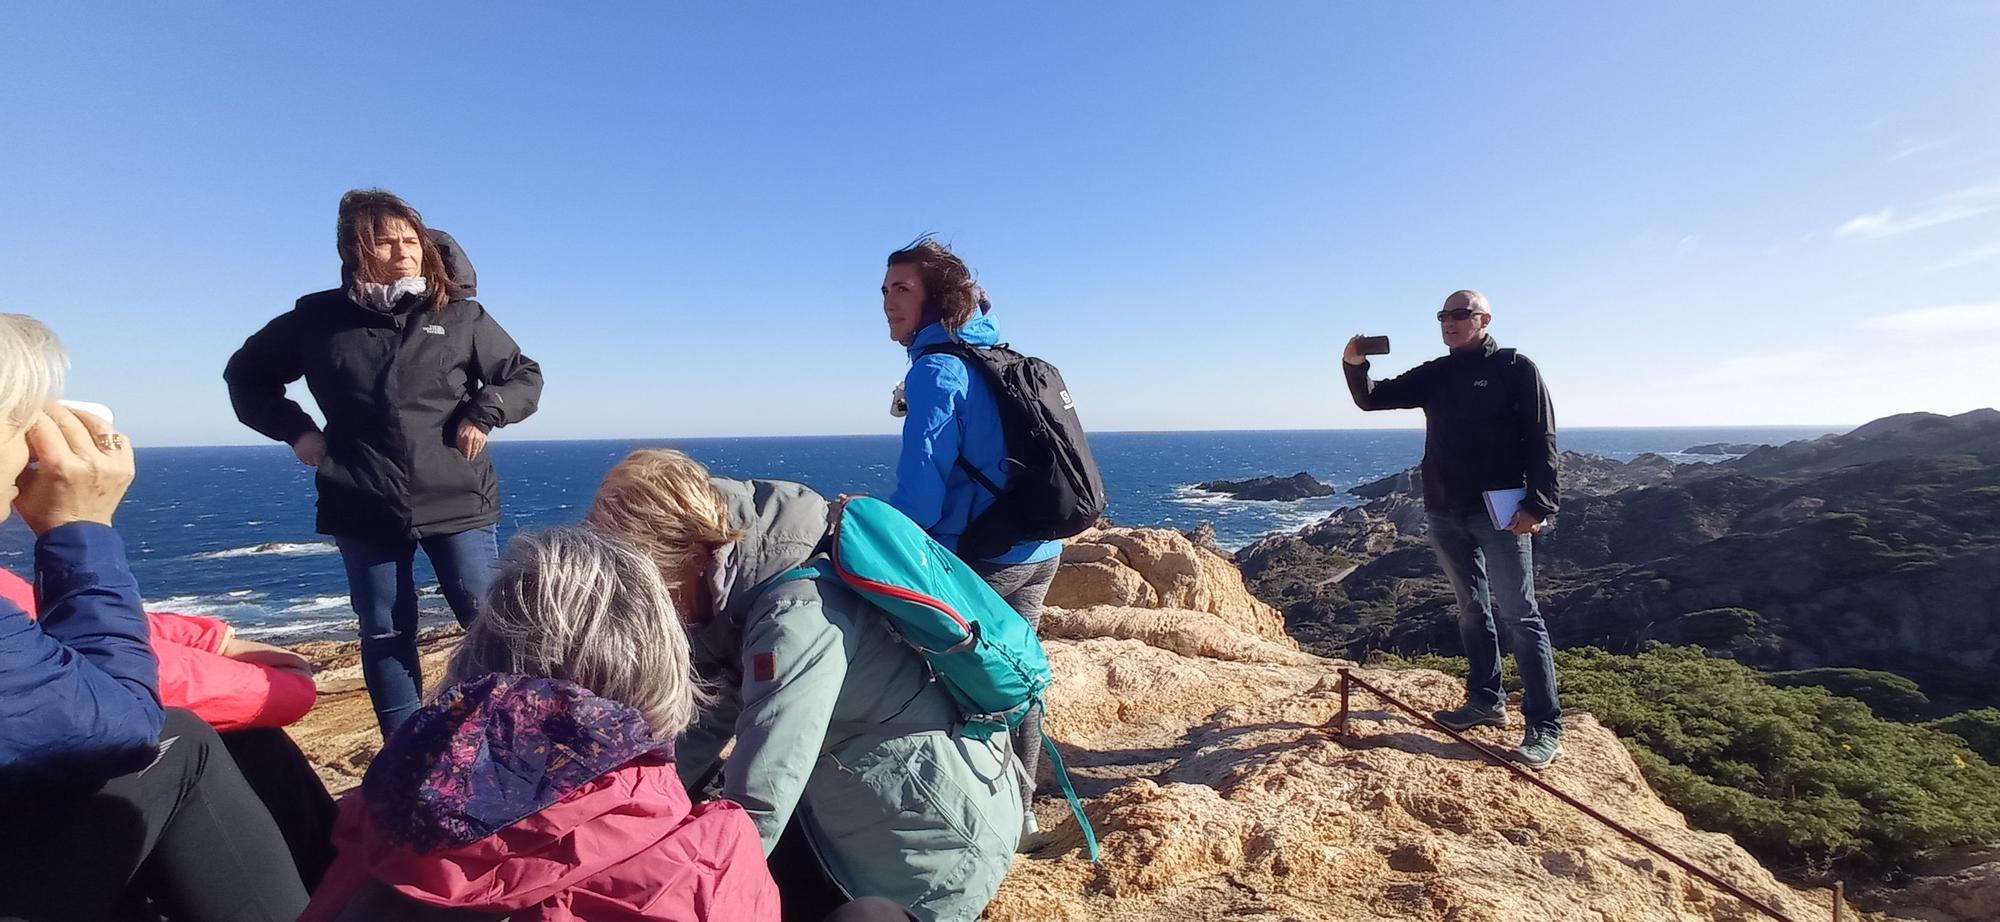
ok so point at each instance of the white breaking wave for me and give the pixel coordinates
(230, 607)
(272, 549)
(316, 603)
(308, 626)
(1187, 495)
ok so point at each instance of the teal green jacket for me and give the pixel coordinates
(837, 720)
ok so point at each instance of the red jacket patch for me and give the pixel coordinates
(764, 667)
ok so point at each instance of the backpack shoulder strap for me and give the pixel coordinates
(970, 356)
(951, 348)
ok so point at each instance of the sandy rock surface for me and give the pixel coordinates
(1217, 792)
(1198, 735)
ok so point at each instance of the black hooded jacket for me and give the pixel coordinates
(393, 388)
(1488, 425)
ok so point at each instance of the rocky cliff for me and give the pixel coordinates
(1197, 733)
(1199, 738)
(1878, 549)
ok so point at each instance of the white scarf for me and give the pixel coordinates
(378, 296)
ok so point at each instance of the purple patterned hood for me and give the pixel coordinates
(494, 751)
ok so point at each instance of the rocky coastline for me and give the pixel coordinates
(1194, 693)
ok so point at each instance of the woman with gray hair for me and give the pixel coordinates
(540, 782)
(97, 781)
(844, 751)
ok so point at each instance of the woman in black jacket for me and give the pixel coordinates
(411, 375)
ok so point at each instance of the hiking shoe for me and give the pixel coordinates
(1467, 717)
(1539, 746)
(1032, 836)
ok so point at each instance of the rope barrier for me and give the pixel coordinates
(1341, 730)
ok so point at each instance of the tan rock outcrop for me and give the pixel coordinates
(1156, 568)
(1217, 793)
(1198, 739)
(1189, 633)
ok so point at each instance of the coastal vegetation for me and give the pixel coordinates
(1797, 774)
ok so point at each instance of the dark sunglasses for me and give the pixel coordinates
(1456, 314)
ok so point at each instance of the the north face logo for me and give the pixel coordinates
(1479, 383)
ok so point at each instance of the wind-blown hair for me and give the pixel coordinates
(365, 213)
(662, 501)
(950, 295)
(577, 604)
(32, 363)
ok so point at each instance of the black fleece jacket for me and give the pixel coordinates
(1488, 425)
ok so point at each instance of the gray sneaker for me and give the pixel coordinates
(1467, 717)
(1539, 746)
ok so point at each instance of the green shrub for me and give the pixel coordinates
(1886, 693)
(1796, 775)
(1980, 729)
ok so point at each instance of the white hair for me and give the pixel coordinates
(32, 363)
(577, 604)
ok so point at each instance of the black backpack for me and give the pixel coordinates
(1053, 488)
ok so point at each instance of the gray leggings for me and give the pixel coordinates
(1024, 586)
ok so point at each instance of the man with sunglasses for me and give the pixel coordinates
(1488, 426)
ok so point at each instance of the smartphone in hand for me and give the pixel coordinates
(1373, 345)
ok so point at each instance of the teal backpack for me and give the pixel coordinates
(979, 648)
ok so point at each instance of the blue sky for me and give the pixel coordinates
(1688, 214)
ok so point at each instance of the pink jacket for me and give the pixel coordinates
(534, 799)
(228, 694)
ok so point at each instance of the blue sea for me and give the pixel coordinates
(228, 531)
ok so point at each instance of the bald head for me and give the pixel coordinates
(1463, 319)
(1468, 299)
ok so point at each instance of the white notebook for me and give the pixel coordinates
(1501, 505)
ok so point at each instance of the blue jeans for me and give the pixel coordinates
(1470, 550)
(382, 585)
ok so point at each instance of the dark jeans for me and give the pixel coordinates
(1493, 572)
(1024, 586)
(292, 793)
(871, 909)
(807, 894)
(382, 585)
(187, 831)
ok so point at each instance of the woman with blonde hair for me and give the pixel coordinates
(411, 374)
(98, 783)
(540, 784)
(844, 752)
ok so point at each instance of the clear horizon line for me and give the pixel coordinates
(1836, 427)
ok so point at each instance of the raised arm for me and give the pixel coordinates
(1406, 391)
(79, 694)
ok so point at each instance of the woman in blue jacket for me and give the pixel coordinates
(951, 421)
(97, 782)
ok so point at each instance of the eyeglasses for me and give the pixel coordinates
(1456, 314)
